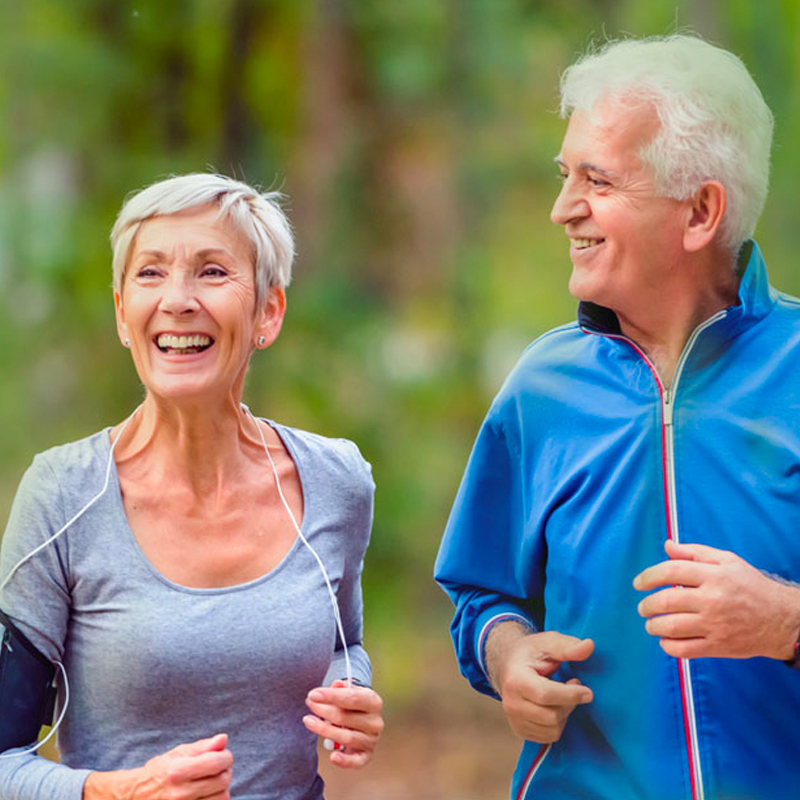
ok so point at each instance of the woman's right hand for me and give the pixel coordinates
(198, 770)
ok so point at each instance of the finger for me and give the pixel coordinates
(205, 765)
(675, 626)
(560, 647)
(545, 717)
(541, 731)
(368, 723)
(670, 601)
(347, 737)
(352, 698)
(699, 647)
(211, 787)
(350, 760)
(672, 573)
(546, 692)
(579, 651)
(698, 552)
(538, 730)
(218, 742)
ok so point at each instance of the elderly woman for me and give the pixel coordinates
(194, 571)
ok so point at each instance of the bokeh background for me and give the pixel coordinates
(414, 140)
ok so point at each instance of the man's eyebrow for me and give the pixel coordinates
(587, 166)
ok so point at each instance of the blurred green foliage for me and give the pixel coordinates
(414, 141)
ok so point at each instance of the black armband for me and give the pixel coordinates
(27, 688)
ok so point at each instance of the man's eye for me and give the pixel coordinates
(562, 176)
(214, 271)
(597, 181)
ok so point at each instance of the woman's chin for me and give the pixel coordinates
(184, 391)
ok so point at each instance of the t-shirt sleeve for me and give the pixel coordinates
(35, 595)
(359, 502)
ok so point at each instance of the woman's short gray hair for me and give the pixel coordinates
(715, 124)
(258, 215)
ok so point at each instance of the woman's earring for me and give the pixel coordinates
(262, 340)
(127, 342)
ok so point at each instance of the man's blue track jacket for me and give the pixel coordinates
(584, 466)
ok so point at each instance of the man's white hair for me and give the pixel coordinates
(258, 215)
(715, 124)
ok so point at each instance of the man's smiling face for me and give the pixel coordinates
(624, 237)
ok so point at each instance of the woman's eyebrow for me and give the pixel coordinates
(213, 251)
(149, 254)
(198, 256)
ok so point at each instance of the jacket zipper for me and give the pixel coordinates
(524, 788)
(667, 408)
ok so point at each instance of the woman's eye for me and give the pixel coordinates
(147, 272)
(214, 271)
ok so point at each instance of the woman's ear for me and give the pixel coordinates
(708, 206)
(269, 318)
(122, 328)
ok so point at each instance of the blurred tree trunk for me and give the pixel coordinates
(324, 128)
(238, 126)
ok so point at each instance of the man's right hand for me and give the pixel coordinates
(520, 665)
(198, 770)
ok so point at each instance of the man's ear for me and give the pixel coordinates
(707, 210)
(122, 328)
(269, 318)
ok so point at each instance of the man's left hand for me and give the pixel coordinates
(717, 605)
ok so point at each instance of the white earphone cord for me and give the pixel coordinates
(79, 514)
(41, 547)
(336, 615)
(55, 727)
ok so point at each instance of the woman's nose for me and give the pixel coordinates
(178, 296)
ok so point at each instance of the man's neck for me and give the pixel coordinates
(663, 327)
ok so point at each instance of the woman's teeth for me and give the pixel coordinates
(183, 344)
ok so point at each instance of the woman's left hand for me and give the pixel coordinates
(350, 716)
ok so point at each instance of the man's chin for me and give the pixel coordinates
(582, 289)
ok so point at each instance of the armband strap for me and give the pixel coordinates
(27, 688)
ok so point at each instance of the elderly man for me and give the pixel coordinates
(644, 462)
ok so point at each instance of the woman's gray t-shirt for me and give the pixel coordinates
(152, 664)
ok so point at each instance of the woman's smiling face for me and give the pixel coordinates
(188, 305)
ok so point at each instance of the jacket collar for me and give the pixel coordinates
(755, 297)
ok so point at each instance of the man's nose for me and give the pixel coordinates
(178, 295)
(569, 204)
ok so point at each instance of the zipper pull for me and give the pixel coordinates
(667, 408)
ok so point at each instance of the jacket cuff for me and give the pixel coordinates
(488, 619)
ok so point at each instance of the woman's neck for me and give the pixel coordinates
(200, 449)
